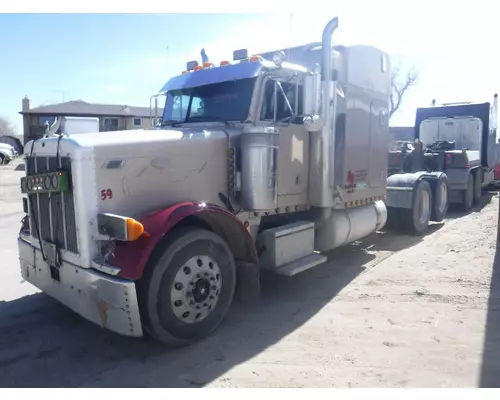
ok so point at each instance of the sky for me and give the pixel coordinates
(125, 58)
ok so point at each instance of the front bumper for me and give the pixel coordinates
(104, 300)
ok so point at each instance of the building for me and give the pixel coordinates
(402, 133)
(111, 117)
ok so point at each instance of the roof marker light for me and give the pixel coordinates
(191, 65)
(241, 54)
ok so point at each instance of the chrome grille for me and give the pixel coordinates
(54, 213)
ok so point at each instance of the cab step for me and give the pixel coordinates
(301, 265)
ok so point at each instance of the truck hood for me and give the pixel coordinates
(127, 139)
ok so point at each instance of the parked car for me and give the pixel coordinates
(7, 153)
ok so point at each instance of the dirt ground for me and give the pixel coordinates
(390, 311)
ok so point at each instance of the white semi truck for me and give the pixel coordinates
(255, 164)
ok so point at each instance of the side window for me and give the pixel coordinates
(282, 110)
(267, 112)
(179, 108)
(197, 107)
(43, 119)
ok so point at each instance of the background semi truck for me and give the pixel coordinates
(456, 141)
(256, 164)
(461, 140)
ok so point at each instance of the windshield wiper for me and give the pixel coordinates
(171, 122)
(208, 119)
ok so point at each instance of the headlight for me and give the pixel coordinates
(119, 227)
(45, 183)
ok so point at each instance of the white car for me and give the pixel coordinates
(7, 153)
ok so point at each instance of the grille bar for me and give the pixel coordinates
(54, 213)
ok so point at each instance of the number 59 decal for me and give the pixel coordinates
(106, 194)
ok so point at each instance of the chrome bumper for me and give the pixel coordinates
(104, 300)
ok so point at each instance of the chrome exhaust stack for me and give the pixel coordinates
(322, 194)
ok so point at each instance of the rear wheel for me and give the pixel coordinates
(417, 218)
(2, 158)
(187, 292)
(478, 185)
(469, 194)
(440, 205)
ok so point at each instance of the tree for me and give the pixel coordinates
(400, 86)
(6, 127)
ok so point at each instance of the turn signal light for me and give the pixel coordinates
(134, 229)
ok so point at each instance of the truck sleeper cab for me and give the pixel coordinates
(254, 164)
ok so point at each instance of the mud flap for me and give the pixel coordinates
(400, 190)
(401, 187)
(248, 282)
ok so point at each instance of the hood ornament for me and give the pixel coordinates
(52, 129)
(204, 57)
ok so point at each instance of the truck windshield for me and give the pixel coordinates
(225, 101)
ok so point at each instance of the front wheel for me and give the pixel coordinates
(187, 292)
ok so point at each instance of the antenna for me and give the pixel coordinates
(290, 37)
(63, 93)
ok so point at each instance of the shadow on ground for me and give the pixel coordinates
(490, 368)
(455, 211)
(43, 344)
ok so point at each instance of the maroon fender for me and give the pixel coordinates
(132, 257)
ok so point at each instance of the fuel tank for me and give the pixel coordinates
(346, 226)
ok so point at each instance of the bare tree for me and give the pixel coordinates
(400, 85)
(6, 127)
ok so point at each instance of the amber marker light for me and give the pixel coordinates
(134, 229)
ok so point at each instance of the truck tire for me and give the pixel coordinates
(417, 218)
(440, 204)
(395, 218)
(187, 291)
(478, 185)
(468, 194)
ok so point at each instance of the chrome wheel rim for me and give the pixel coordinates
(196, 289)
(424, 206)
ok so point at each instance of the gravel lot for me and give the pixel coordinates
(390, 311)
